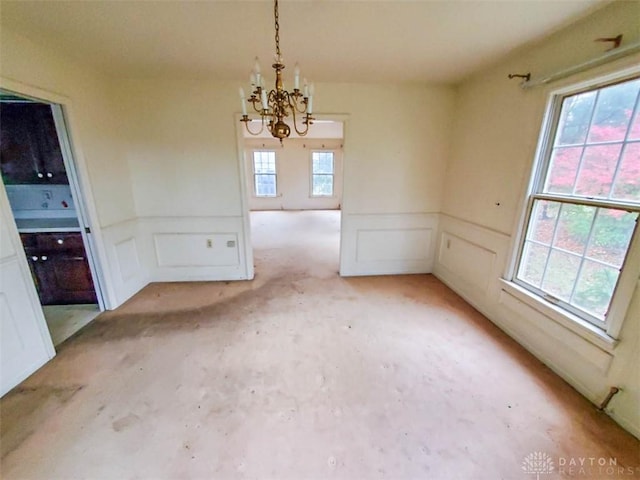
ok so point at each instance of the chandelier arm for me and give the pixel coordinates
(246, 124)
(306, 122)
(303, 102)
(302, 133)
(254, 102)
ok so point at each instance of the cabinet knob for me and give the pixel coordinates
(40, 175)
(49, 175)
(43, 258)
(60, 241)
(34, 258)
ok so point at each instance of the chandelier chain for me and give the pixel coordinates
(276, 16)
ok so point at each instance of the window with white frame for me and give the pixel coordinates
(583, 208)
(264, 174)
(322, 174)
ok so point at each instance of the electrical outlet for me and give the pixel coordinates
(209, 243)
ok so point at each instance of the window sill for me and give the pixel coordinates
(571, 322)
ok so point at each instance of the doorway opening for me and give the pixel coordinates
(39, 176)
(294, 198)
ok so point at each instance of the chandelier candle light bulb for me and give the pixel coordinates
(275, 105)
(242, 101)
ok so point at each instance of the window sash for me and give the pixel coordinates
(264, 165)
(313, 184)
(320, 173)
(537, 193)
(584, 259)
(256, 183)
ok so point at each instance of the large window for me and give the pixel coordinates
(322, 171)
(264, 174)
(584, 205)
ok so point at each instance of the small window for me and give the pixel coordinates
(322, 171)
(264, 174)
(583, 209)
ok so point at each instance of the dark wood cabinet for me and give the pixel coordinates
(60, 268)
(29, 148)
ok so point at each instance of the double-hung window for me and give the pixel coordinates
(582, 210)
(322, 174)
(264, 174)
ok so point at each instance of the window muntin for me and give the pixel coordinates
(583, 209)
(322, 174)
(264, 174)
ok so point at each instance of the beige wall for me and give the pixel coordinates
(94, 128)
(494, 139)
(184, 151)
(396, 144)
(293, 165)
(98, 147)
(497, 123)
(182, 145)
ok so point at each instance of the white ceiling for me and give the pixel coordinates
(337, 41)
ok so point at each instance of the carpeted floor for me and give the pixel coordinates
(65, 320)
(299, 374)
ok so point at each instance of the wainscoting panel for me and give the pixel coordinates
(193, 248)
(127, 256)
(455, 254)
(124, 269)
(471, 261)
(197, 249)
(387, 244)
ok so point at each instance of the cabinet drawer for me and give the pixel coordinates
(59, 242)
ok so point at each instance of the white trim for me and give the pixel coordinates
(66, 149)
(630, 270)
(572, 322)
(609, 56)
(596, 82)
(246, 213)
(247, 248)
(98, 252)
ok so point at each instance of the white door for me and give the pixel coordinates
(25, 343)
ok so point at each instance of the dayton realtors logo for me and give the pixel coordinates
(541, 463)
(537, 463)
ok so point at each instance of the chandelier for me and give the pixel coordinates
(275, 105)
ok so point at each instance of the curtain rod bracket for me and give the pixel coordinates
(525, 76)
(615, 40)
